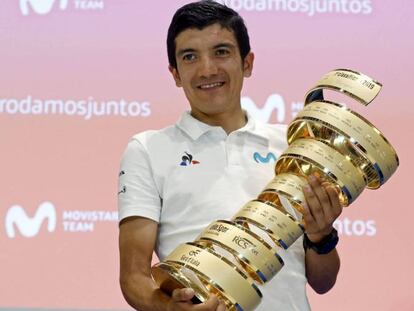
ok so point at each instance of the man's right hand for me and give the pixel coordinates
(181, 301)
(137, 238)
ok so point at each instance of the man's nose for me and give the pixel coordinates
(208, 67)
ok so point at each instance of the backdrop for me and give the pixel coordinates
(80, 77)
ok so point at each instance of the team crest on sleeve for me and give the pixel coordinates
(123, 188)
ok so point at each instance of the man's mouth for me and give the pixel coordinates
(209, 86)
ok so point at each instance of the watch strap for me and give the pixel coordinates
(325, 246)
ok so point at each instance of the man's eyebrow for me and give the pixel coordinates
(183, 51)
(224, 45)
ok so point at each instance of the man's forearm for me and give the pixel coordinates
(322, 270)
(143, 294)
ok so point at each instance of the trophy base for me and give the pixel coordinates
(170, 276)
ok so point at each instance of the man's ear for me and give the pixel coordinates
(248, 65)
(175, 75)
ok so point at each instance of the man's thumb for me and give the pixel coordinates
(182, 294)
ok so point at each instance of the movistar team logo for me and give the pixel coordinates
(187, 159)
(41, 6)
(44, 7)
(28, 227)
(273, 103)
(269, 157)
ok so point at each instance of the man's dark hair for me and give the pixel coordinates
(202, 14)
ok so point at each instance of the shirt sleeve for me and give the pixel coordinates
(137, 192)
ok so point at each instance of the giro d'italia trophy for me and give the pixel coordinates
(230, 258)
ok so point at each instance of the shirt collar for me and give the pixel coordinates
(195, 128)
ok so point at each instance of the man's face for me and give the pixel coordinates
(210, 69)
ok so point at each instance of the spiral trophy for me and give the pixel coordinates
(231, 258)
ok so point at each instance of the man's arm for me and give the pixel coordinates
(321, 210)
(321, 270)
(137, 237)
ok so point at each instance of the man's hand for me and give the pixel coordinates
(181, 301)
(137, 238)
(321, 209)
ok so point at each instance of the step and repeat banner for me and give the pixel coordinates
(80, 77)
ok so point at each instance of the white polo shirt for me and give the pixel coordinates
(190, 174)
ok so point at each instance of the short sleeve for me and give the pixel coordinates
(137, 192)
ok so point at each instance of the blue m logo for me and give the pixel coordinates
(261, 159)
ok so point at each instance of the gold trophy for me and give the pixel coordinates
(231, 258)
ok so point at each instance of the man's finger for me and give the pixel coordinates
(221, 306)
(334, 197)
(182, 294)
(310, 223)
(211, 303)
(317, 185)
(314, 206)
(328, 207)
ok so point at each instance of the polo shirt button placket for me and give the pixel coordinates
(233, 155)
(219, 136)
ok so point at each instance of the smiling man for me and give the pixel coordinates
(211, 171)
(211, 71)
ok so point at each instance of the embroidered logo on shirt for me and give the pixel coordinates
(187, 160)
(270, 157)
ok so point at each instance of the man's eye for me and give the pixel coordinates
(189, 57)
(222, 52)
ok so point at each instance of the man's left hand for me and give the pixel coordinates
(321, 209)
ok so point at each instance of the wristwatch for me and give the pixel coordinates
(327, 244)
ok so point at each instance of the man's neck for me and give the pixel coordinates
(229, 121)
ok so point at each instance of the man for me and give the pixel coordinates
(177, 180)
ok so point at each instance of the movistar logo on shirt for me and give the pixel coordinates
(269, 157)
(187, 159)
